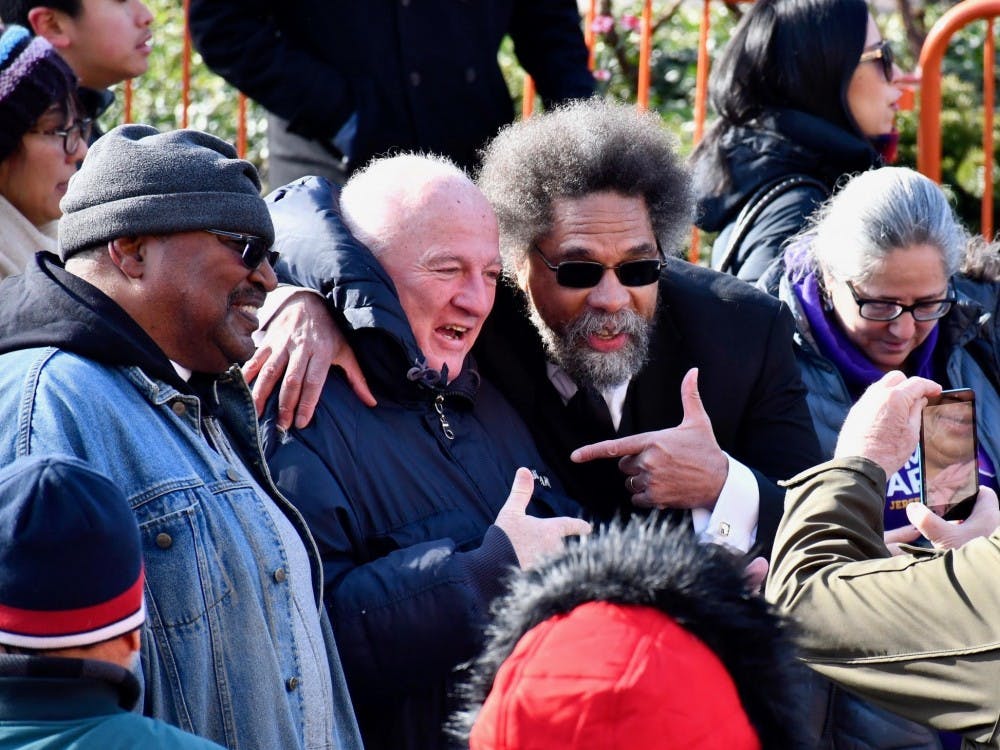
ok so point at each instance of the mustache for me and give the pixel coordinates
(247, 296)
(593, 322)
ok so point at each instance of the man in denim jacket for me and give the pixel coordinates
(123, 355)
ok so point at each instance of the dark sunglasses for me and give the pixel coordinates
(885, 310)
(882, 53)
(71, 135)
(584, 274)
(253, 250)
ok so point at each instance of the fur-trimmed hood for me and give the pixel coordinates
(651, 564)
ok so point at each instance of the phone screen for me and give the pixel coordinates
(949, 473)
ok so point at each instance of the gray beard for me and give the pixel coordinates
(569, 350)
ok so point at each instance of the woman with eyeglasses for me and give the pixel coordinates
(42, 140)
(874, 285)
(805, 91)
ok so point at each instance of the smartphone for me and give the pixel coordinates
(949, 467)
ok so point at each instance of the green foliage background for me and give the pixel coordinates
(157, 95)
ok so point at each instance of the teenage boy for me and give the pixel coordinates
(104, 41)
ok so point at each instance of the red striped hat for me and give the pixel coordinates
(70, 558)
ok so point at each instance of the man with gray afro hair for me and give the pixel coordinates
(124, 353)
(646, 381)
(578, 149)
(600, 335)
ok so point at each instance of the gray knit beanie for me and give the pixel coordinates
(136, 180)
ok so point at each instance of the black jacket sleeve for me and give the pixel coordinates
(550, 47)
(777, 439)
(240, 40)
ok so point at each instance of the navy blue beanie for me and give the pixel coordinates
(70, 559)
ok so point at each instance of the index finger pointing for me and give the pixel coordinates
(625, 446)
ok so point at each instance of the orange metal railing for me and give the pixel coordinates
(645, 55)
(929, 130)
(590, 39)
(241, 103)
(588, 32)
(701, 102)
(704, 63)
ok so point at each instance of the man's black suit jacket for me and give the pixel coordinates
(738, 337)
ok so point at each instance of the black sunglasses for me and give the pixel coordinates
(882, 53)
(253, 250)
(584, 274)
(884, 310)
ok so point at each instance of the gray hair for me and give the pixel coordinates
(877, 212)
(573, 151)
(982, 260)
(374, 198)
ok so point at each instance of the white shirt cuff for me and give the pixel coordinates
(733, 522)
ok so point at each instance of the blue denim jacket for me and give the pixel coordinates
(217, 657)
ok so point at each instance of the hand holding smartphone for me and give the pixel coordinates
(949, 472)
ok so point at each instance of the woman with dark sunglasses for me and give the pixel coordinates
(805, 89)
(874, 285)
(42, 141)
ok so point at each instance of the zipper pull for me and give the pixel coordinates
(445, 426)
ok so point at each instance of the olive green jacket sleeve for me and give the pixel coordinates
(919, 635)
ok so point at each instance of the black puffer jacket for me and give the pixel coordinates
(779, 144)
(402, 512)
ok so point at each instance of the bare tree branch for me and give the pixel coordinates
(629, 70)
(667, 15)
(913, 22)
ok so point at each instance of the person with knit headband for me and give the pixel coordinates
(71, 605)
(43, 138)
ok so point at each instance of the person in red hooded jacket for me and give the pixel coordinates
(637, 637)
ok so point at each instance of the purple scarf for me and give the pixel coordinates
(857, 370)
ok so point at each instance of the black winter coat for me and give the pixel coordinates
(741, 341)
(779, 144)
(421, 75)
(402, 514)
